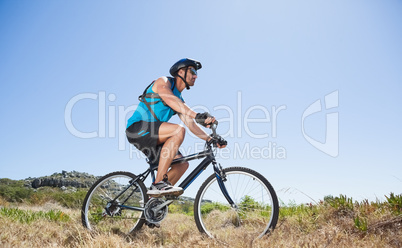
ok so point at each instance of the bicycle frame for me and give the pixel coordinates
(209, 158)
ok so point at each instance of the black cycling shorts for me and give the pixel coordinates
(144, 136)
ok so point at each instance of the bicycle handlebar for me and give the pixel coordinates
(214, 134)
(213, 128)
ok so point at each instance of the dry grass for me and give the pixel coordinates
(323, 226)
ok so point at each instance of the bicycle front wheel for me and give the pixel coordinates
(107, 204)
(253, 214)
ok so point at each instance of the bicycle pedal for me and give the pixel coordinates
(153, 225)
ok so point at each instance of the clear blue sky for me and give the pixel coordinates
(74, 69)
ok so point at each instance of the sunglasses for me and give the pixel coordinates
(193, 71)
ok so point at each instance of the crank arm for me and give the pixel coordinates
(162, 206)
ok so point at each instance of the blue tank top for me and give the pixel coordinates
(162, 111)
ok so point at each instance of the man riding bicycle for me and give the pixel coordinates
(149, 131)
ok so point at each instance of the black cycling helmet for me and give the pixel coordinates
(183, 63)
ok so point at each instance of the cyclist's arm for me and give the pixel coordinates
(162, 86)
(194, 128)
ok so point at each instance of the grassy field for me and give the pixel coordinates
(334, 222)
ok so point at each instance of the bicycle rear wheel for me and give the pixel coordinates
(102, 210)
(255, 212)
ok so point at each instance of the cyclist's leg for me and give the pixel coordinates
(172, 136)
(177, 170)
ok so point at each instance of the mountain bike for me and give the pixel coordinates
(231, 202)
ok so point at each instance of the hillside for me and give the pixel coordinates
(50, 216)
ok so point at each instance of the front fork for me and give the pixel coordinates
(221, 178)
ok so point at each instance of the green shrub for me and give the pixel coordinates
(360, 223)
(186, 208)
(210, 206)
(14, 191)
(65, 198)
(70, 199)
(340, 203)
(395, 203)
(247, 202)
(27, 216)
